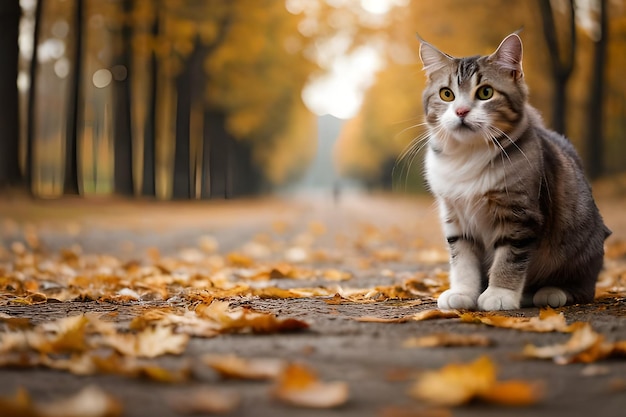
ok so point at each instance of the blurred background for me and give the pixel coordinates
(203, 99)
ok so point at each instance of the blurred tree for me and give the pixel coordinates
(10, 13)
(562, 54)
(595, 124)
(74, 103)
(32, 76)
(123, 145)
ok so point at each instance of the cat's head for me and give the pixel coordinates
(476, 99)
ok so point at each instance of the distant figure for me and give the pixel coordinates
(336, 193)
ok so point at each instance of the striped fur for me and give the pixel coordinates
(517, 212)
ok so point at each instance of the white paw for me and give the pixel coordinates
(550, 296)
(494, 298)
(453, 300)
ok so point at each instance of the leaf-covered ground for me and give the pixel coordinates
(281, 307)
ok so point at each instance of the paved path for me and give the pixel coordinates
(379, 240)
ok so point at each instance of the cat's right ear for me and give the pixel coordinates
(432, 58)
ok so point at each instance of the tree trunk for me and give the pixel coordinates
(182, 180)
(595, 133)
(70, 185)
(123, 149)
(149, 152)
(10, 14)
(216, 155)
(561, 62)
(32, 96)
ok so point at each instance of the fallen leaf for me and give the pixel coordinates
(299, 386)
(548, 321)
(457, 384)
(204, 401)
(239, 319)
(89, 402)
(20, 405)
(436, 314)
(584, 345)
(238, 259)
(231, 366)
(149, 343)
(513, 393)
(395, 411)
(447, 340)
(371, 319)
(595, 370)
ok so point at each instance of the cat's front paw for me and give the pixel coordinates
(494, 298)
(453, 300)
(550, 296)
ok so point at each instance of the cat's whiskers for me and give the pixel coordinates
(409, 154)
(406, 129)
(490, 137)
(501, 133)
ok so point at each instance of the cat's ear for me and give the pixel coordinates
(508, 56)
(432, 58)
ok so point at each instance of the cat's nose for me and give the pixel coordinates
(462, 112)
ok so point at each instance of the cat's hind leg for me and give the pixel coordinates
(551, 297)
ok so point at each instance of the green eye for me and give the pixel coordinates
(446, 94)
(485, 92)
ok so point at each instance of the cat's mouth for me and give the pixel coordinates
(464, 126)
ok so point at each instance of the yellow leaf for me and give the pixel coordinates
(370, 319)
(231, 366)
(237, 259)
(547, 321)
(435, 314)
(204, 401)
(299, 386)
(89, 402)
(149, 343)
(513, 393)
(448, 339)
(455, 384)
(585, 345)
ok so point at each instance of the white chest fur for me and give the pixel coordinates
(459, 182)
(464, 175)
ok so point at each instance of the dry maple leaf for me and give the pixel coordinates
(241, 319)
(585, 345)
(299, 386)
(231, 366)
(372, 319)
(395, 411)
(89, 402)
(204, 401)
(64, 335)
(513, 393)
(548, 321)
(447, 340)
(457, 384)
(435, 314)
(149, 343)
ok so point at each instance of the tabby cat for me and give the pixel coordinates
(517, 212)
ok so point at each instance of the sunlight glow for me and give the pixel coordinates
(340, 91)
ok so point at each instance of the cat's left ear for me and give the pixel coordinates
(508, 56)
(432, 58)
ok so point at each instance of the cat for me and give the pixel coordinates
(516, 209)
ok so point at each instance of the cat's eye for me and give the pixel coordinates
(446, 94)
(485, 92)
